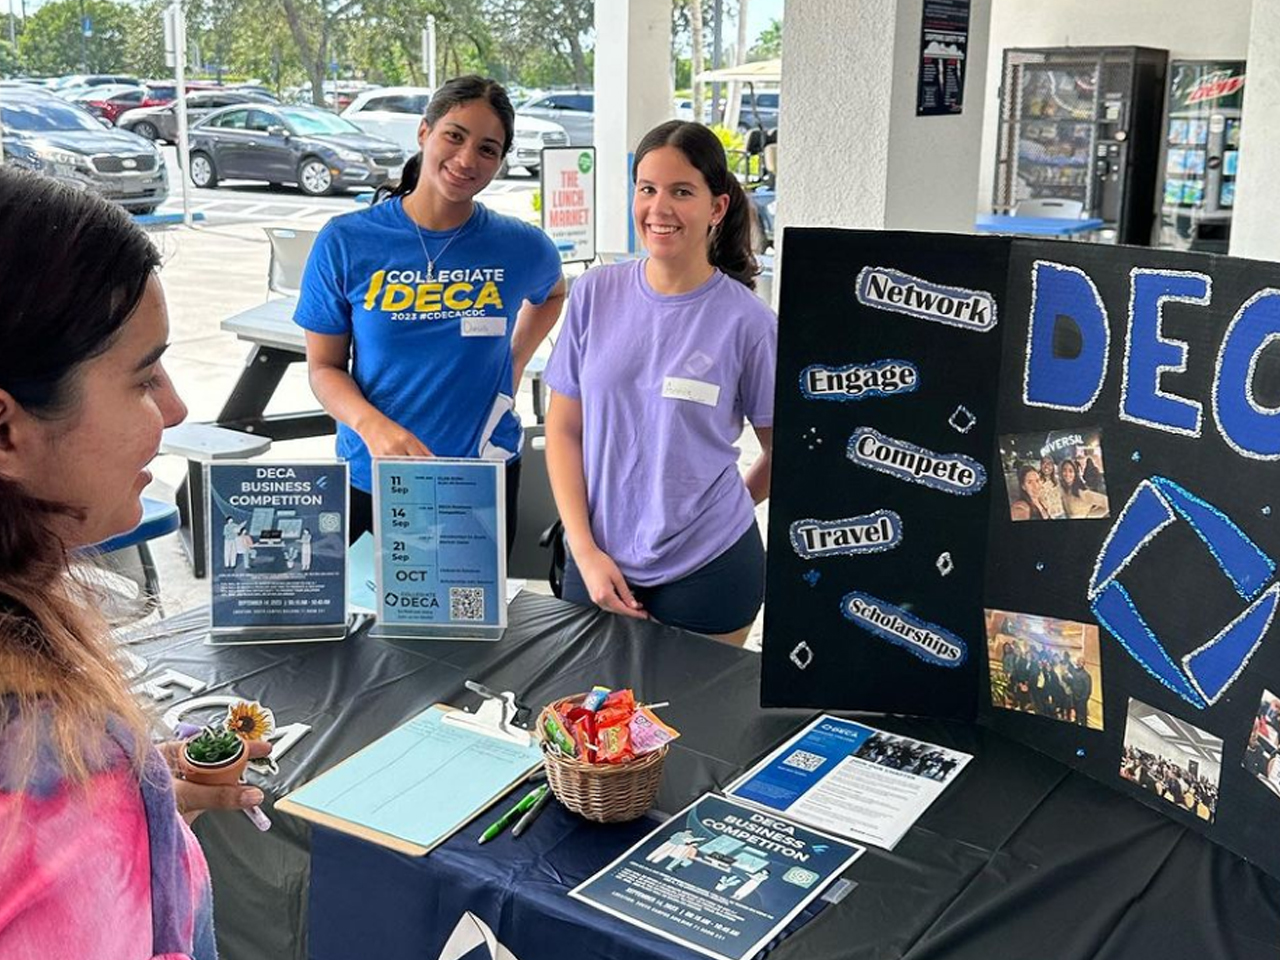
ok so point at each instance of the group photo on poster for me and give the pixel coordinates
(1262, 755)
(1055, 475)
(1175, 760)
(1045, 666)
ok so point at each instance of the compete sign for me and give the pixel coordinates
(569, 201)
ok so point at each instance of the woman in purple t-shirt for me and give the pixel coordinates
(659, 362)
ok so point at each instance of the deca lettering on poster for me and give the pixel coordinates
(928, 641)
(885, 288)
(871, 533)
(949, 472)
(858, 381)
(1073, 380)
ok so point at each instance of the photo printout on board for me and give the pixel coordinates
(1262, 754)
(1174, 759)
(1055, 475)
(1045, 666)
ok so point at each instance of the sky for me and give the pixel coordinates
(759, 13)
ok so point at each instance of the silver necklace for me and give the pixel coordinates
(431, 261)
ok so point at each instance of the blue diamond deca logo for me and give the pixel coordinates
(1206, 672)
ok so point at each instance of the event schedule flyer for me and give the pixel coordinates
(278, 548)
(853, 780)
(719, 877)
(441, 545)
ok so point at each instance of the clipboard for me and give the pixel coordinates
(413, 788)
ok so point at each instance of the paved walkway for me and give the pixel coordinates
(212, 271)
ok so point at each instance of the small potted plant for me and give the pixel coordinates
(214, 756)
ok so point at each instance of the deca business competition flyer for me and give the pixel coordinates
(719, 877)
(278, 545)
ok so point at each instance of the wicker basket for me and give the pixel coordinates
(603, 792)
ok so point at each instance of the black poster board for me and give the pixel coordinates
(944, 47)
(1114, 583)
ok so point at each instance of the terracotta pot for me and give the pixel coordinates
(228, 772)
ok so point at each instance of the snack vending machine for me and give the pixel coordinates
(1082, 124)
(1202, 150)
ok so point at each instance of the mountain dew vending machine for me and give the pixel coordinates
(1202, 150)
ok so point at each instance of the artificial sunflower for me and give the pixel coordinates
(249, 720)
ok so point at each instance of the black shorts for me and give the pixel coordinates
(721, 596)
(362, 507)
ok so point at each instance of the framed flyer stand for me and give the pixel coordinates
(440, 546)
(277, 551)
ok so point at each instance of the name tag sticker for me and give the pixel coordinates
(484, 326)
(682, 388)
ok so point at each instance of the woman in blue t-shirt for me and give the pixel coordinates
(422, 311)
(659, 363)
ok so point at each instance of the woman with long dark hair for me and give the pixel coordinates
(1029, 504)
(659, 362)
(1079, 502)
(95, 860)
(422, 311)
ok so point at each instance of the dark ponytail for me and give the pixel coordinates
(454, 93)
(729, 246)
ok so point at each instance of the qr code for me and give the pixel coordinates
(804, 760)
(466, 603)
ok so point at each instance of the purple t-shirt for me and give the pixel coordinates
(665, 382)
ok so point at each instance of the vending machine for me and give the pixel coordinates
(1202, 150)
(1082, 124)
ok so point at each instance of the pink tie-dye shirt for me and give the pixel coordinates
(105, 870)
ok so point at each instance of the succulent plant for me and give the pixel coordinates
(214, 745)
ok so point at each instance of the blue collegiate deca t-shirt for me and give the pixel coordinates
(434, 356)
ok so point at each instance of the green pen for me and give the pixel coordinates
(504, 821)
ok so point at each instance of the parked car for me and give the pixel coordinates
(313, 148)
(765, 112)
(573, 110)
(93, 80)
(396, 112)
(50, 136)
(161, 123)
(113, 102)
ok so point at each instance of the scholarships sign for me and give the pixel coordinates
(719, 877)
(278, 550)
(441, 547)
(1035, 483)
(569, 201)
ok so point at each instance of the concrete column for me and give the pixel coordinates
(1254, 231)
(851, 151)
(633, 95)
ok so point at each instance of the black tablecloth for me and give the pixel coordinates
(1019, 858)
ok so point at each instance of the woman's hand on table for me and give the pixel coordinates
(195, 798)
(386, 438)
(607, 586)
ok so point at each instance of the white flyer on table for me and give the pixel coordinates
(851, 780)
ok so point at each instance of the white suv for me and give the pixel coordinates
(394, 113)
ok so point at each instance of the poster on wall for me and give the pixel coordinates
(1033, 483)
(277, 551)
(569, 201)
(944, 44)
